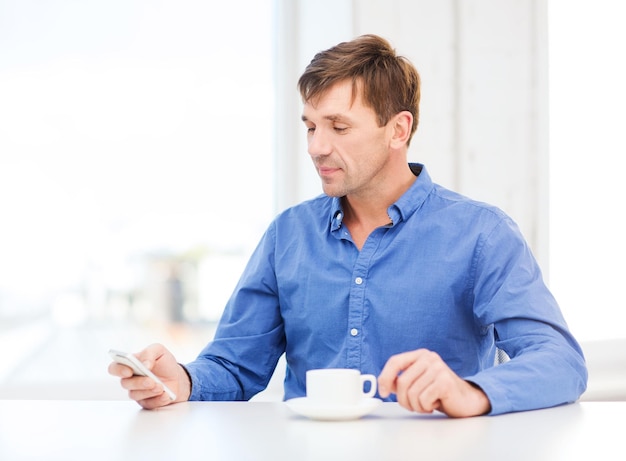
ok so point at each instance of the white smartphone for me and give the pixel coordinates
(138, 368)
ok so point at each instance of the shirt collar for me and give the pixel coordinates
(406, 205)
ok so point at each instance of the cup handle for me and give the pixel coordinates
(372, 380)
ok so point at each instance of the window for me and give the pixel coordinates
(136, 163)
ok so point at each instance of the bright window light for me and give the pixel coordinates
(135, 143)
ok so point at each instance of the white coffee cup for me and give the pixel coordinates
(338, 386)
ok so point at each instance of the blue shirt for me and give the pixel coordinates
(447, 274)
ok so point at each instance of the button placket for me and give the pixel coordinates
(357, 299)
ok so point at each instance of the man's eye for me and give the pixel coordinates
(310, 129)
(340, 129)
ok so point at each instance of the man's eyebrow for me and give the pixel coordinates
(332, 118)
(336, 118)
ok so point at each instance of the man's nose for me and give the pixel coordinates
(318, 144)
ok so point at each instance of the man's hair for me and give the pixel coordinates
(390, 83)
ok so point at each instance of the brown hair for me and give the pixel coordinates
(390, 83)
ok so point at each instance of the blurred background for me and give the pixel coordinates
(146, 145)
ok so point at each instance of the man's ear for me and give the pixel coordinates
(402, 123)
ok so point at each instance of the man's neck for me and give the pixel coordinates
(367, 211)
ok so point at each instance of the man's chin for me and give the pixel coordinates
(332, 192)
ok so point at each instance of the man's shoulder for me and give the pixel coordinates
(304, 220)
(442, 197)
(317, 207)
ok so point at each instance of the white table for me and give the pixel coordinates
(242, 431)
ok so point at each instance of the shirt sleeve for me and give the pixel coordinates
(249, 339)
(547, 366)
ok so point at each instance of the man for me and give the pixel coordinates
(386, 272)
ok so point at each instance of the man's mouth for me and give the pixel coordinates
(326, 170)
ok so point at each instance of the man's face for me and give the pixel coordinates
(347, 146)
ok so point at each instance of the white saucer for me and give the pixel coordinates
(305, 407)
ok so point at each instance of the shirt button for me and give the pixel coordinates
(358, 280)
(354, 332)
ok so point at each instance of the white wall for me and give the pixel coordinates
(483, 116)
(588, 159)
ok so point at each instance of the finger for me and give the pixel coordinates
(119, 370)
(423, 395)
(395, 365)
(151, 354)
(139, 383)
(410, 384)
(154, 402)
(142, 389)
(427, 391)
(145, 394)
(416, 378)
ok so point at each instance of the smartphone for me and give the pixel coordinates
(138, 368)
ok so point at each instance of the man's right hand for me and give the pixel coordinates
(144, 390)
